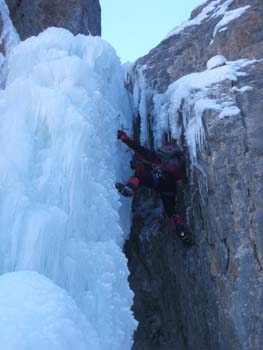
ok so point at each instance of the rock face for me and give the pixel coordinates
(30, 17)
(208, 296)
(189, 51)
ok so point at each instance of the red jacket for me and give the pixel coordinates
(144, 160)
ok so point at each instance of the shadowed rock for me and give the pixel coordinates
(30, 17)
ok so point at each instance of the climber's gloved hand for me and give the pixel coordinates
(121, 135)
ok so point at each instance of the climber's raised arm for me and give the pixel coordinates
(149, 155)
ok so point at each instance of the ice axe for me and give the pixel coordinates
(121, 125)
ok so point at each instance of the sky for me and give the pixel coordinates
(134, 27)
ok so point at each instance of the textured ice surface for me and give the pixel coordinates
(59, 211)
(37, 314)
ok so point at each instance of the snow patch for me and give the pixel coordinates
(216, 61)
(229, 16)
(243, 89)
(222, 8)
(213, 10)
(223, 29)
(229, 111)
(203, 15)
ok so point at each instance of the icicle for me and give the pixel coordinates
(9, 34)
(8, 40)
(189, 97)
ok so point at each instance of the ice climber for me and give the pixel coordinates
(159, 170)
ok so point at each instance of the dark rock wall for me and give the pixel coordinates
(30, 17)
(208, 296)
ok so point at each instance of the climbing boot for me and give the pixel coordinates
(185, 238)
(125, 190)
(178, 227)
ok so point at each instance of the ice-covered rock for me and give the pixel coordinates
(195, 91)
(204, 297)
(228, 17)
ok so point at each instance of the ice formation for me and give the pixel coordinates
(37, 314)
(183, 104)
(186, 100)
(9, 38)
(140, 103)
(59, 212)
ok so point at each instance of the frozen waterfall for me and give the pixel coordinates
(59, 213)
